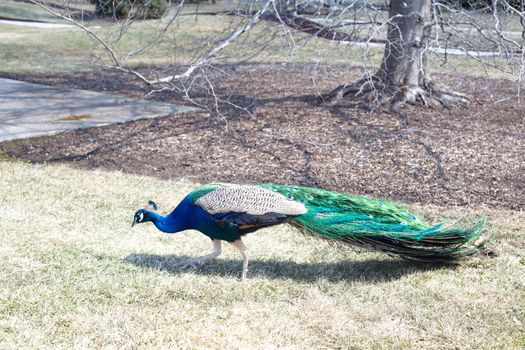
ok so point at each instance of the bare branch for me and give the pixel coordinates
(210, 55)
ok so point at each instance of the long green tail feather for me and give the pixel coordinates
(379, 225)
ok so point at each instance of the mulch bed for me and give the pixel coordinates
(461, 156)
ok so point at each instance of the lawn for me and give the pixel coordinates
(20, 10)
(24, 50)
(74, 274)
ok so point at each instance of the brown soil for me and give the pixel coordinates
(472, 155)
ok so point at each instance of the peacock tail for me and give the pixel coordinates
(378, 225)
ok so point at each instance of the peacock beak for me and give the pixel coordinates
(138, 218)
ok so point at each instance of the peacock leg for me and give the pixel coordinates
(195, 262)
(244, 253)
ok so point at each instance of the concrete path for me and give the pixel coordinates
(28, 110)
(43, 25)
(440, 50)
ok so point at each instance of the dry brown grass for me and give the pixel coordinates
(74, 274)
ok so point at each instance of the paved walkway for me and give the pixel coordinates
(28, 110)
(43, 25)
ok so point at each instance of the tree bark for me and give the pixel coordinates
(404, 50)
(403, 76)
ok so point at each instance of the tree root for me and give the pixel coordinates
(373, 92)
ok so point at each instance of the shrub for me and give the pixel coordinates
(133, 8)
(155, 9)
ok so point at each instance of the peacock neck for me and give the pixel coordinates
(170, 223)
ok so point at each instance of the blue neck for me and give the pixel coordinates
(170, 223)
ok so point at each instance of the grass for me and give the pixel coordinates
(35, 50)
(20, 10)
(24, 49)
(74, 274)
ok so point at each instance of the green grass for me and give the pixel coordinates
(74, 274)
(20, 10)
(34, 50)
(37, 51)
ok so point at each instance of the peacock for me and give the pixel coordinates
(226, 212)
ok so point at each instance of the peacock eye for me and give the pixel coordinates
(141, 216)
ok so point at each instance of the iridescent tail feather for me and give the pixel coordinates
(380, 225)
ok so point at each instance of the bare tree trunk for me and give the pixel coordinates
(403, 56)
(403, 76)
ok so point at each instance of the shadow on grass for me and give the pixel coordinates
(371, 270)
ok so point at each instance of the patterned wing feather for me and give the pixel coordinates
(252, 200)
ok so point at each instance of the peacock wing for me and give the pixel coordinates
(245, 221)
(252, 200)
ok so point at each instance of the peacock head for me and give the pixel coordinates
(141, 215)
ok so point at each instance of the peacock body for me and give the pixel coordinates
(226, 212)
